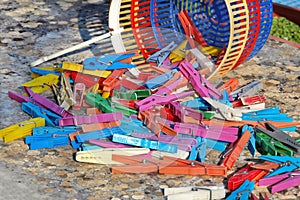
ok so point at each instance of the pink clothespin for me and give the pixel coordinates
(78, 95)
(200, 84)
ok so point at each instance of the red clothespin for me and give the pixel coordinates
(78, 95)
(235, 149)
(229, 85)
(87, 80)
(193, 34)
(131, 85)
(112, 81)
(247, 101)
(127, 103)
(191, 167)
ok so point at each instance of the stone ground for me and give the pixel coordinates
(32, 29)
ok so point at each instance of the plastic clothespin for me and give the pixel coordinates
(223, 111)
(130, 84)
(72, 66)
(252, 140)
(243, 192)
(193, 34)
(191, 167)
(197, 103)
(99, 126)
(42, 83)
(78, 94)
(160, 56)
(33, 110)
(145, 143)
(280, 136)
(287, 164)
(96, 100)
(195, 192)
(179, 52)
(230, 156)
(203, 87)
(108, 62)
(46, 70)
(247, 90)
(46, 141)
(203, 61)
(87, 80)
(107, 144)
(152, 100)
(269, 146)
(112, 81)
(268, 114)
(198, 151)
(160, 80)
(132, 94)
(104, 156)
(20, 129)
(54, 130)
(281, 182)
(132, 125)
(248, 101)
(229, 85)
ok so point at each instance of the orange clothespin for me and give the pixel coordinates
(235, 149)
(112, 81)
(229, 85)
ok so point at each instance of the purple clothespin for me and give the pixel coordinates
(200, 84)
(19, 97)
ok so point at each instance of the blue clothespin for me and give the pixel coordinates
(225, 98)
(197, 103)
(33, 110)
(160, 56)
(108, 62)
(287, 163)
(46, 141)
(104, 133)
(43, 72)
(54, 130)
(247, 90)
(268, 114)
(252, 141)
(160, 80)
(129, 125)
(216, 145)
(198, 151)
(243, 192)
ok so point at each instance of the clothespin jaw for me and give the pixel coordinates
(42, 83)
(179, 53)
(252, 140)
(20, 129)
(198, 151)
(108, 62)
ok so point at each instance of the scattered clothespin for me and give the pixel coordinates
(72, 66)
(198, 151)
(46, 141)
(281, 182)
(108, 62)
(248, 101)
(33, 110)
(195, 192)
(179, 52)
(197, 103)
(99, 125)
(20, 129)
(247, 90)
(111, 82)
(160, 80)
(45, 70)
(252, 140)
(229, 85)
(78, 94)
(108, 144)
(280, 136)
(160, 56)
(132, 94)
(54, 130)
(104, 156)
(243, 192)
(204, 62)
(42, 83)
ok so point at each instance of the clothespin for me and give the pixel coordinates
(252, 140)
(46, 141)
(247, 90)
(152, 100)
(229, 85)
(160, 56)
(132, 94)
(185, 114)
(198, 151)
(46, 70)
(42, 83)
(179, 53)
(145, 143)
(112, 81)
(108, 144)
(87, 80)
(98, 101)
(193, 34)
(72, 66)
(108, 62)
(280, 136)
(104, 156)
(78, 94)
(203, 87)
(243, 192)
(19, 97)
(191, 167)
(130, 125)
(64, 93)
(268, 114)
(197, 103)
(248, 101)
(269, 146)
(160, 80)
(20, 129)
(224, 111)
(171, 85)
(54, 130)
(131, 84)
(89, 119)
(51, 118)
(230, 156)
(287, 164)
(204, 62)
(195, 192)
(99, 126)
(281, 182)
(46, 103)
(179, 154)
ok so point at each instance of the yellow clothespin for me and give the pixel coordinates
(72, 66)
(21, 129)
(42, 83)
(94, 89)
(99, 73)
(210, 50)
(179, 53)
(64, 93)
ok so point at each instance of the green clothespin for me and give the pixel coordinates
(271, 146)
(132, 95)
(207, 114)
(98, 101)
(116, 107)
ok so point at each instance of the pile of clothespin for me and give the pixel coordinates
(161, 116)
